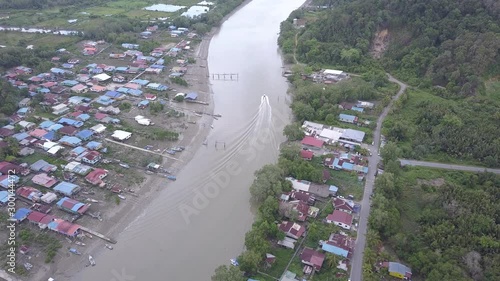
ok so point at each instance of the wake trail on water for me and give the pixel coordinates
(260, 120)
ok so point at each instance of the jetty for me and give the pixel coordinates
(97, 234)
(225, 76)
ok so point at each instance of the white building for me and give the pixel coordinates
(60, 109)
(299, 185)
(121, 135)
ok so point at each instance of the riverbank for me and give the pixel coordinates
(117, 219)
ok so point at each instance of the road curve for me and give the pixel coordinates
(357, 258)
(408, 162)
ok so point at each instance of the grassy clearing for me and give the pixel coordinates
(347, 183)
(283, 256)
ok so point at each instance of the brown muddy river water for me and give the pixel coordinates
(199, 222)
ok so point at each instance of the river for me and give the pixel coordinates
(200, 221)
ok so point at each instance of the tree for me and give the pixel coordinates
(389, 152)
(179, 98)
(268, 182)
(12, 146)
(225, 273)
(249, 261)
(293, 132)
(269, 209)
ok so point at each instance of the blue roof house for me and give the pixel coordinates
(8, 181)
(55, 127)
(21, 214)
(122, 90)
(69, 83)
(67, 188)
(121, 69)
(104, 100)
(134, 92)
(140, 82)
(85, 134)
(56, 70)
(358, 109)
(348, 118)
(4, 197)
(191, 96)
(51, 136)
(83, 117)
(20, 136)
(334, 250)
(77, 151)
(94, 145)
(143, 103)
(113, 94)
(46, 124)
(22, 111)
(333, 189)
(70, 122)
(71, 141)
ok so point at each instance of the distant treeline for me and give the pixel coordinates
(42, 4)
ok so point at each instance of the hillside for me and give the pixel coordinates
(448, 43)
(450, 50)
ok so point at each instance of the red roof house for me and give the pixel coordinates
(340, 218)
(291, 229)
(312, 142)
(95, 177)
(44, 180)
(306, 154)
(312, 258)
(68, 130)
(342, 205)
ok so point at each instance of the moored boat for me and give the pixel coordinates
(74, 251)
(109, 246)
(91, 260)
(173, 178)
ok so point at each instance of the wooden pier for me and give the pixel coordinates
(97, 234)
(225, 76)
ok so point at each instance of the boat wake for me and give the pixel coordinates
(259, 129)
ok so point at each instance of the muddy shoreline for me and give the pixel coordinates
(118, 218)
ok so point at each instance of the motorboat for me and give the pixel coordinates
(172, 178)
(121, 197)
(234, 262)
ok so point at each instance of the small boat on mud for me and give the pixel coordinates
(74, 251)
(205, 142)
(217, 115)
(172, 178)
(171, 152)
(91, 260)
(79, 243)
(109, 246)
(122, 197)
(176, 149)
(197, 114)
(212, 126)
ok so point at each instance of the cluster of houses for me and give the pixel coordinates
(299, 205)
(327, 76)
(331, 135)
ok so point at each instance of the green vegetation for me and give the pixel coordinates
(428, 125)
(179, 81)
(442, 224)
(49, 244)
(155, 107)
(161, 134)
(452, 46)
(228, 273)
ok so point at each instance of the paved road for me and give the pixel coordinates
(407, 162)
(357, 258)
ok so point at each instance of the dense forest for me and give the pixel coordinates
(447, 43)
(444, 225)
